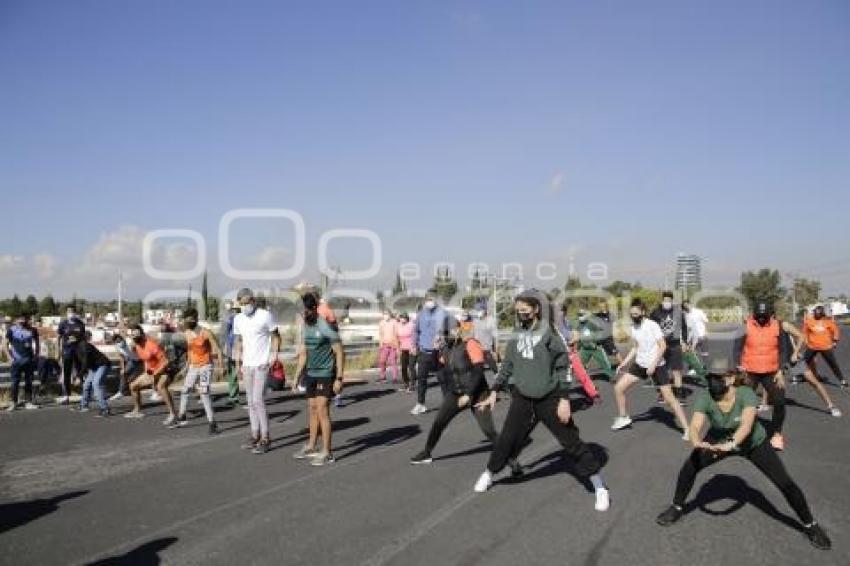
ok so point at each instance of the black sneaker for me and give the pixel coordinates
(213, 428)
(103, 413)
(817, 537)
(516, 469)
(670, 516)
(261, 447)
(423, 457)
(182, 421)
(844, 384)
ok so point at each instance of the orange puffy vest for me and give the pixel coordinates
(761, 347)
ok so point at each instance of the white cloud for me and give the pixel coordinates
(10, 264)
(556, 184)
(44, 266)
(273, 257)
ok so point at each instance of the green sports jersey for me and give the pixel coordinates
(318, 339)
(723, 425)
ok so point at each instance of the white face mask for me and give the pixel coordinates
(248, 309)
(667, 305)
(386, 317)
(482, 315)
(430, 305)
(71, 316)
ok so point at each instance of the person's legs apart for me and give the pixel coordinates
(448, 411)
(514, 431)
(586, 464)
(698, 460)
(765, 459)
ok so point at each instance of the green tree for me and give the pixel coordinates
(15, 306)
(617, 288)
(763, 285)
(205, 297)
(31, 305)
(444, 285)
(806, 291)
(399, 286)
(48, 306)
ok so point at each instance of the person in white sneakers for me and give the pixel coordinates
(536, 362)
(645, 361)
(22, 345)
(256, 346)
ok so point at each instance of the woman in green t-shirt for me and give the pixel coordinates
(729, 408)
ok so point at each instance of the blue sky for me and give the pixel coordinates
(620, 132)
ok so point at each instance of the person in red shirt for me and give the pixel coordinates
(822, 334)
(157, 374)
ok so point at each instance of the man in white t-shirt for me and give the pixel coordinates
(645, 361)
(256, 345)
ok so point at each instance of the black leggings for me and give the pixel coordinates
(518, 424)
(449, 410)
(408, 367)
(69, 364)
(828, 357)
(426, 362)
(764, 457)
(775, 395)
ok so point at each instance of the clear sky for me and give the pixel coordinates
(617, 132)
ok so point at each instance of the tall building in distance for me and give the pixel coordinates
(688, 273)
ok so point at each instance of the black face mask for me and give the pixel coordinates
(191, 324)
(763, 319)
(311, 316)
(525, 319)
(819, 314)
(637, 319)
(138, 339)
(717, 388)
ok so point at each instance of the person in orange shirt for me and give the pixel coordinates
(822, 334)
(158, 374)
(201, 345)
(464, 361)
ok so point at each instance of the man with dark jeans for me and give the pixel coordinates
(68, 330)
(129, 369)
(432, 325)
(22, 346)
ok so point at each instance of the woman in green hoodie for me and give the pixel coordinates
(536, 363)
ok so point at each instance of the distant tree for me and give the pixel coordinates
(15, 307)
(763, 285)
(444, 284)
(48, 306)
(205, 297)
(617, 288)
(31, 306)
(399, 287)
(806, 291)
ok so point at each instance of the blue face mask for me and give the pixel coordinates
(248, 309)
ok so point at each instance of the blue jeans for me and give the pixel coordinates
(94, 380)
(24, 369)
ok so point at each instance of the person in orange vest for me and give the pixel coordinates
(822, 335)
(761, 352)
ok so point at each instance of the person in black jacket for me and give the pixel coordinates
(94, 366)
(464, 360)
(674, 326)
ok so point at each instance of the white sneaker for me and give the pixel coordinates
(418, 409)
(155, 397)
(116, 396)
(762, 408)
(134, 415)
(11, 407)
(603, 500)
(169, 421)
(60, 400)
(621, 422)
(687, 436)
(302, 389)
(30, 406)
(835, 412)
(484, 482)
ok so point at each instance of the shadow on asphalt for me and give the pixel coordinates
(388, 437)
(301, 436)
(661, 415)
(554, 463)
(725, 487)
(13, 515)
(145, 555)
(795, 403)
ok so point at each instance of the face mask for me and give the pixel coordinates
(819, 314)
(582, 318)
(525, 319)
(386, 317)
(138, 339)
(667, 305)
(717, 388)
(481, 315)
(71, 316)
(430, 305)
(310, 317)
(191, 324)
(637, 319)
(248, 309)
(763, 319)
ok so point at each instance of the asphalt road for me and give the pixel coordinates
(75, 489)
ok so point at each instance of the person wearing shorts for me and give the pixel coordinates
(321, 360)
(645, 360)
(158, 374)
(201, 345)
(671, 320)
